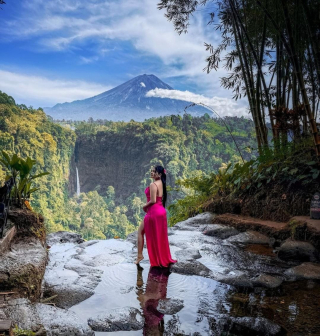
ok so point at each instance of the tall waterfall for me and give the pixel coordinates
(78, 182)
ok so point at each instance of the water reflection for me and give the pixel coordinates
(149, 297)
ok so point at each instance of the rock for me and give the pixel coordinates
(132, 238)
(64, 237)
(170, 306)
(249, 237)
(119, 319)
(188, 254)
(69, 278)
(22, 268)
(197, 223)
(249, 326)
(68, 295)
(220, 231)
(46, 320)
(267, 281)
(308, 271)
(72, 290)
(60, 322)
(191, 268)
(292, 250)
(88, 243)
(24, 314)
(240, 280)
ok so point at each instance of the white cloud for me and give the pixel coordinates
(222, 106)
(27, 89)
(68, 24)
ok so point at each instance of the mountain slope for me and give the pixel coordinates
(125, 102)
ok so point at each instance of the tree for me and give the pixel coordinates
(272, 52)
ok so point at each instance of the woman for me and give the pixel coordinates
(154, 224)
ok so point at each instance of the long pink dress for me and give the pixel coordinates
(156, 230)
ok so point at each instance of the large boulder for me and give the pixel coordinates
(305, 271)
(64, 237)
(267, 281)
(23, 266)
(24, 314)
(294, 250)
(249, 326)
(170, 306)
(188, 254)
(197, 223)
(249, 237)
(61, 322)
(220, 231)
(44, 319)
(72, 284)
(119, 319)
(193, 267)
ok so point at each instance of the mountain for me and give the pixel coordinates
(125, 102)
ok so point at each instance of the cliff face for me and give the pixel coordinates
(119, 160)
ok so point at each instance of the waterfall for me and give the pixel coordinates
(78, 182)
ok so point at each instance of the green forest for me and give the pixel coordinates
(189, 147)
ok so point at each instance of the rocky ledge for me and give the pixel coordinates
(94, 285)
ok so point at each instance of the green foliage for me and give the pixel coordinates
(20, 170)
(293, 168)
(189, 147)
(22, 332)
(27, 132)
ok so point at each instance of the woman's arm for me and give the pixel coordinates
(153, 196)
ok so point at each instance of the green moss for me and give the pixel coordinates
(22, 332)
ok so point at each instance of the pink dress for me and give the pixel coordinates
(156, 230)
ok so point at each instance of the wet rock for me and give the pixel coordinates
(292, 250)
(68, 296)
(249, 326)
(239, 280)
(267, 281)
(170, 306)
(188, 254)
(308, 271)
(74, 289)
(64, 237)
(191, 268)
(70, 279)
(197, 223)
(60, 322)
(249, 237)
(220, 231)
(24, 314)
(120, 319)
(88, 243)
(22, 268)
(45, 320)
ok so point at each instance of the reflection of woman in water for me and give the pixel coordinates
(155, 224)
(156, 289)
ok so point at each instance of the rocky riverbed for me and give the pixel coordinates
(226, 282)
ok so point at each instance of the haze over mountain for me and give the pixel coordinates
(125, 102)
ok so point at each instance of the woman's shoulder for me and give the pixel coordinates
(155, 184)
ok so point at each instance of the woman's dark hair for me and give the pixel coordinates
(160, 170)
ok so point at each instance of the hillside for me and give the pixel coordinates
(113, 161)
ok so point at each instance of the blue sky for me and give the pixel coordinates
(57, 51)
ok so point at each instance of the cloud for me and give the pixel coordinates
(66, 25)
(27, 89)
(223, 106)
(88, 28)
